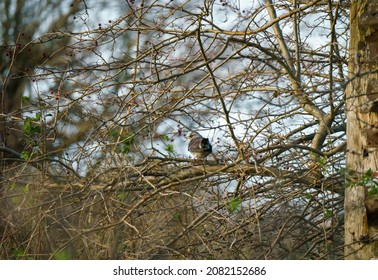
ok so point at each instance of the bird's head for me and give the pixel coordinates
(194, 135)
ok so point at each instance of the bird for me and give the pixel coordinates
(199, 146)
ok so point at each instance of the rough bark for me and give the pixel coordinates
(362, 132)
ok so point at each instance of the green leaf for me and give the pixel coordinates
(328, 213)
(125, 146)
(368, 173)
(26, 99)
(322, 161)
(373, 191)
(114, 133)
(42, 105)
(234, 204)
(177, 216)
(129, 139)
(165, 137)
(18, 253)
(37, 117)
(121, 196)
(25, 189)
(308, 196)
(25, 155)
(29, 127)
(169, 148)
(62, 255)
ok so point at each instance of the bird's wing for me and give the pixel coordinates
(205, 144)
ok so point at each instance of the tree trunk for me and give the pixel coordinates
(361, 239)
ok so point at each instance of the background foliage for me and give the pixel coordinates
(96, 101)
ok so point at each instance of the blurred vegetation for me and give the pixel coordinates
(97, 99)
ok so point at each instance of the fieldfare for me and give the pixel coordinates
(199, 146)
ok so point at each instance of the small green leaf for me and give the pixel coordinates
(26, 99)
(308, 196)
(169, 148)
(373, 190)
(342, 170)
(18, 253)
(37, 117)
(121, 196)
(25, 155)
(42, 105)
(322, 161)
(328, 213)
(165, 137)
(29, 127)
(368, 173)
(125, 146)
(25, 189)
(114, 133)
(177, 216)
(234, 204)
(62, 255)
